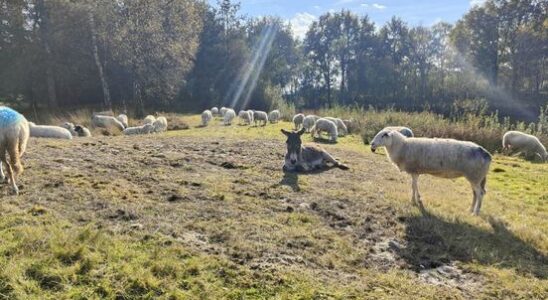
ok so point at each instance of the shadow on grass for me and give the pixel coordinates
(291, 178)
(433, 242)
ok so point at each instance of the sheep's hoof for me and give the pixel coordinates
(15, 191)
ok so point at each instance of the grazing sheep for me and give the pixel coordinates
(341, 127)
(228, 116)
(123, 119)
(214, 110)
(445, 158)
(14, 135)
(82, 131)
(401, 129)
(251, 116)
(222, 111)
(309, 121)
(107, 122)
(70, 127)
(207, 115)
(143, 129)
(517, 141)
(274, 116)
(46, 131)
(298, 121)
(260, 116)
(160, 125)
(325, 125)
(245, 116)
(306, 158)
(149, 119)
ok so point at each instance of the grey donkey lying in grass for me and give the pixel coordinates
(306, 158)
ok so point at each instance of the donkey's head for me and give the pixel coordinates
(294, 147)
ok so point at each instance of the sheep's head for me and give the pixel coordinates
(382, 139)
(294, 146)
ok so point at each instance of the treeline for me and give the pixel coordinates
(186, 55)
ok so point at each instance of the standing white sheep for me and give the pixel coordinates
(445, 158)
(222, 111)
(309, 121)
(160, 124)
(274, 116)
(107, 122)
(298, 121)
(245, 116)
(143, 129)
(46, 131)
(14, 135)
(149, 119)
(517, 141)
(325, 125)
(207, 115)
(214, 110)
(229, 115)
(401, 129)
(123, 119)
(260, 116)
(341, 127)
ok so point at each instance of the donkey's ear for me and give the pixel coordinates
(300, 132)
(285, 132)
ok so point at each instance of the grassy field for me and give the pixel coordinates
(206, 213)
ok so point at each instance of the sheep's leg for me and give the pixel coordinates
(474, 200)
(15, 167)
(416, 195)
(478, 192)
(2, 175)
(9, 170)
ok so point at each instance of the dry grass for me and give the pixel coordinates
(207, 213)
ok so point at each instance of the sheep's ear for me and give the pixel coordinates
(301, 132)
(285, 132)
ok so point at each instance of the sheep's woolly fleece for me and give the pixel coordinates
(8, 116)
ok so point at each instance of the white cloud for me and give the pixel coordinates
(317, 7)
(373, 6)
(476, 2)
(342, 2)
(300, 24)
(379, 6)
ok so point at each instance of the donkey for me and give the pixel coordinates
(306, 158)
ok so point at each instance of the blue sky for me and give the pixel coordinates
(415, 12)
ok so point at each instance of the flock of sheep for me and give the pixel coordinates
(447, 158)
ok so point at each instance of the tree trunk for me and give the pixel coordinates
(44, 36)
(104, 83)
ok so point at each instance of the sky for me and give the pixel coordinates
(301, 13)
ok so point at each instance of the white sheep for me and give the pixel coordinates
(70, 127)
(517, 141)
(222, 111)
(123, 119)
(14, 135)
(401, 129)
(107, 122)
(82, 131)
(445, 158)
(274, 116)
(143, 129)
(245, 116)
(149, 119)
(160, 124)
(309, 121)
(228, 116)
(207, 115)
(251, 116)
(298, 121)
(47, 131)
(214, 110)
(341, 127)
(325, 125)
(260, 116)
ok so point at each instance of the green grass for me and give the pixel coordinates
(256, 249)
